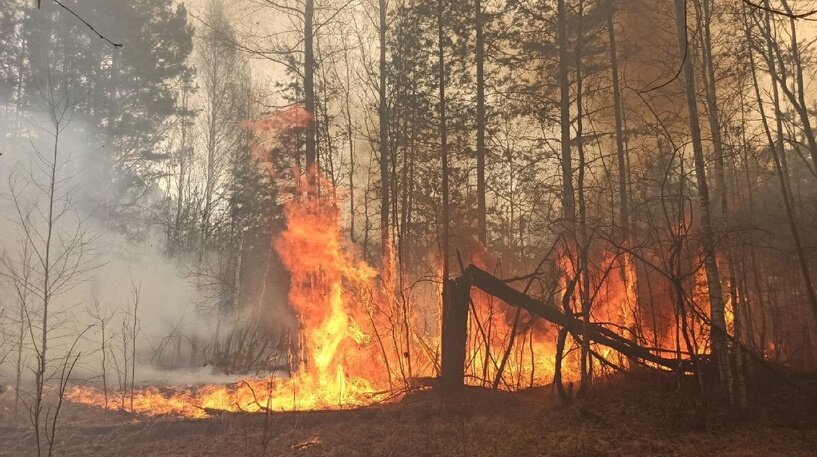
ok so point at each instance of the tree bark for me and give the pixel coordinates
(705, 21)
(628, 271)
(385, 243)
(568, 201)
(443, 140)
(455, 309)
(454, 334)
(482, 230)
(584, 260)
(309, 86)
(720, 346)
(776, 149)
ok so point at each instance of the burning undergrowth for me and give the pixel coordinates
(336, 296)
(359, 335)
(338, 363)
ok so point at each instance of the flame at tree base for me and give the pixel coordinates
(359, 343)
(334, 296)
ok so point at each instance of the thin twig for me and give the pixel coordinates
(789, 14)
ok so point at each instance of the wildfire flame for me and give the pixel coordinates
(358, 340)
(338, 364)
(330, 292)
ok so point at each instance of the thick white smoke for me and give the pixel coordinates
(110, 266)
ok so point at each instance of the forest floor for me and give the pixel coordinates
(619, 419)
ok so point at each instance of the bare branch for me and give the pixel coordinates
(61, 5)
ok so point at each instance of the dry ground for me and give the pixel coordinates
(631, 420)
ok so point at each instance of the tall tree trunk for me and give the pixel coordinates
(628, 271)
(443, 139)
(705, 22)
(568, 199)
(776, 148)
(482, 231)
(21, 78)
(323, 135)
(213, 92)
(621, 154)
(568, 202)
(182, 176)
(47, 292)
(385, 201)
(584, 260)
(455, 310)
(720, 346)
(350, 138)
(309, 86)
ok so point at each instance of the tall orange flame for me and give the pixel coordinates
(357, 328)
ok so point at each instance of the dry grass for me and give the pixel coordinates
(636, 419)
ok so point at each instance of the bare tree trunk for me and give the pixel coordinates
(18, 102)
(350, 137)
(322, 122)
(482, 230)
(454, 312)
(720, 347)
(19, 367)
(46, 285)
(705, 21)
(385, 201)
(584, 261)
(213, 94)
(628, 270)
(104, 349)
(568, 199)
(309, 86)
(134, 334)
(182, 176)
(102, 321)
(621, 154)
(776, 149)
(123, 381)
(443, 139)
(22, 287)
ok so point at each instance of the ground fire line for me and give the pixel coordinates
(349, 354)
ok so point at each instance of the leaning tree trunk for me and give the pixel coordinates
(456, 315)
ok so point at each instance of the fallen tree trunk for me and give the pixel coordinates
(458, 292)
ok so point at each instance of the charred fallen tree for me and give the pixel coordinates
(455, 316)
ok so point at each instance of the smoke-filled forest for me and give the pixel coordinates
(408, 227)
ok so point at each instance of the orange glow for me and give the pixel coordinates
(362, 339)
(339, 365)
(340, 362)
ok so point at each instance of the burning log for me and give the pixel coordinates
(455, 310)
(456, 294)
